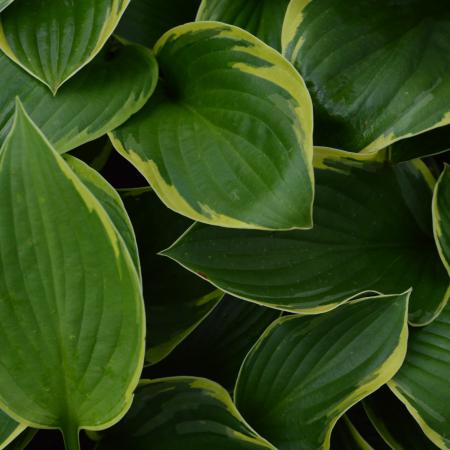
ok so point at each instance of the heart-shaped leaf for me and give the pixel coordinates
(305, 372)
(9, 429)
(422, 382)
(226, 139)
(182, 413)
(394, 423)
(99, 98)
(75, 306)
(262, 18)
(377, 71)
(371, 220)
(441, 216)
(145, 21)
(176, 301)
(54, 39)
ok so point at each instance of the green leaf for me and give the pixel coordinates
(4, 4)
(145, 21)
(226, 139)
(99, 98)
(217, 347)
(346, 437)
(111, 202)
(422, 382)
(72, 330)
(175, 300)
(52, 40)
(262, 18)
(377, 72)
(305, 372)
(182, 413)
(441, 216)
(394, 423)
(23, 440)
(9, 429)
(371, 220)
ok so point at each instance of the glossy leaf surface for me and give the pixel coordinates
(226, 139)
(99, 98)
(76, 304)
(377, 72)
(52, 39)
(185, 413)
(263, 18)
(422, 382)
(371, 220)
(305, 372)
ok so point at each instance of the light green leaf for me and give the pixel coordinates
(371, 220)
(377, 71)
(99, 98)
(305, 372)
(9, 429)
(52, 40)
(393, 421)
(226, 139)
(262, 18)
(111, 202)
(72, 329)
(422, 382)
(145, 21)
(176, 301)
(217, 347)
(4, 4)
(182, 413)
(441, 216)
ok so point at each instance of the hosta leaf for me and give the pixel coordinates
(111, 202)
(371, 220)
(75, 305)
(263, 18)
(175, 300)
(441, 216)
(305, 372)
(145, 21)
(4, 4)
(182, 413)
(23, 440)
(226, 139)
(53, 40)
(9, 429)
(346, 437)
(377, 72)
(99, 98)
(394, 423)
(422, 382)
(217, 347)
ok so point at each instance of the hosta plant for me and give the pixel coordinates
(224, 224)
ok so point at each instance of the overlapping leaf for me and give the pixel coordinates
(262, 18)
(145, 21)
(422, 382)
(226, 139)
(52, 39)
(394, 423)
(4, 4)
(185, 413)
(377, 72)
(305, 372)
(175, 300)
(72, 329)
(441, 216)
(9, 429)
(371, 221)
(346, 437)
(99, 98)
